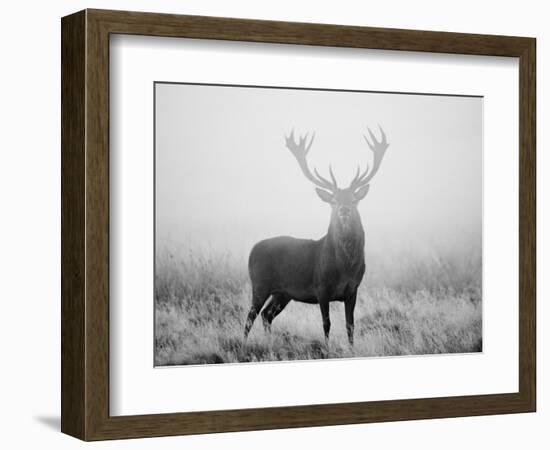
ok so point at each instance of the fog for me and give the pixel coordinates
(224, 178)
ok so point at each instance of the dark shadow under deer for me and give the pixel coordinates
(316, 272)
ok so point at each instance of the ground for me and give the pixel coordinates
(406, 306)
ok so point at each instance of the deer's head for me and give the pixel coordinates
(343, 201)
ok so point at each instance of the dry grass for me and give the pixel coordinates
(405, 306)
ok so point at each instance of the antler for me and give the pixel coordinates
(378, 149)
(300, 150)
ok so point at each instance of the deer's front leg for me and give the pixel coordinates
(324, 304)
(350, 308)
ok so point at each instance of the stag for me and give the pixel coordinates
(316, 272)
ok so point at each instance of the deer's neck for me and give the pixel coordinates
(347, 243)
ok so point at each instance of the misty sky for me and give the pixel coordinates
(224, 178)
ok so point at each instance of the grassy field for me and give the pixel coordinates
(406, 306)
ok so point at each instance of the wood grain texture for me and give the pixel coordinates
(527, 224)
(73, 225)
(152, 24)
(85, 224)
(97, 225)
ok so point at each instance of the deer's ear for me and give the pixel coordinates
(324, 195)
(360, 194)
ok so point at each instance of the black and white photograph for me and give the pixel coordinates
(297, 224)
(270, 225)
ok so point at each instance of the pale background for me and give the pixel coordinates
(139, 388)
(30, 229)
(225, 180)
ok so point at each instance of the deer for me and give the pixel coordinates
(320, 271)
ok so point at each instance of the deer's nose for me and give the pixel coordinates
(344, 211)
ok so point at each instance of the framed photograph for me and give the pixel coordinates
(273, 225)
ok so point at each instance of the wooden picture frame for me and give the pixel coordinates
(85, 224)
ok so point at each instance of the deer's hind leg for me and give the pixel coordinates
(258, 300)
(275, 306)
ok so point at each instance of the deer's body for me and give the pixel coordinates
(304, 269)
(317, 272)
